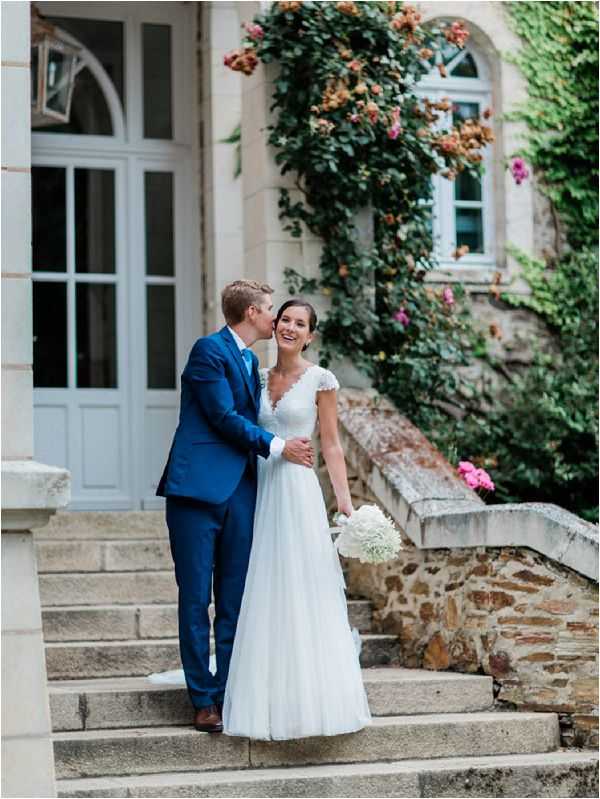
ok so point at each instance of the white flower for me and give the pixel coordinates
(368, 535)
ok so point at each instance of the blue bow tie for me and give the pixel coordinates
(247, 356)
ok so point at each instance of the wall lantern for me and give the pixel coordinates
(54, 66)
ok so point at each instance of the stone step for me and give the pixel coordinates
(120, 622)
(83, 659)
(103, 753)
(108, 588)
(565, 774)
(100, 556)
(134, 702)
(104, 525)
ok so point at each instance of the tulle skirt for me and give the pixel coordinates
(295, 669)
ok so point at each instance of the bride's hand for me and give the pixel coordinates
(346, 508)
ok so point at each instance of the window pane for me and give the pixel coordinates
(466, 187)
(49, 335)
(160, 325)
(463, 110)
(158, 192)
(49, 219)
(95, 220)
(157, 81)
(104, 39)
(466, 68)
(96, 335)
(469, 228)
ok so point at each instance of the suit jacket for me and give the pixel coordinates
(217, 432)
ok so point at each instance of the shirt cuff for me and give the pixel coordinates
(276, 446)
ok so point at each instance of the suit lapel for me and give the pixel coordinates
(237, 356)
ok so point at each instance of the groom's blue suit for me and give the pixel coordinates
(210, 485)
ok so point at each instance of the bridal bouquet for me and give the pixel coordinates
(368, 535)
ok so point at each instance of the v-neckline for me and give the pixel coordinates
(288, 389)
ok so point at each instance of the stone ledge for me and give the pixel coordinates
(434, 507)
(31, 493)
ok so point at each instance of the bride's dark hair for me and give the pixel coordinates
(298, 302)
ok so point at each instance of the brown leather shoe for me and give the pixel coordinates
(208, 719)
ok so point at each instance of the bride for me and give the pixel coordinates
(294, 668)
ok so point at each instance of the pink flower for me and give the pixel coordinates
(519, 170)
(471, 480)
(464, 467)
(355, 118)
(475, 478)
(448, 296)
(394, 131)
(402, 317)
(485, 481)
(254, 31)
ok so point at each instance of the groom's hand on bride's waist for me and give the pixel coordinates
(300, 451)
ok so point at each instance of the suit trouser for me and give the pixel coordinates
(211, 546)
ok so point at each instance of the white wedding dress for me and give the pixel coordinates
(294, 668)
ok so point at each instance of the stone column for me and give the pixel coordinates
(31, 492)
(268, 249)
(221, 113)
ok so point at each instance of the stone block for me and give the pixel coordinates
(68, 556)
(20, 594)
(27, 766)
(105, 525)
(71, 661)
(17, 335)
(16, 219)
(160, 621)
(99, 753)
(66, 710)
(16, 134)
(25, 698)
(104, 623)
(16, 22)
(17, 414)
(108, 588)
(137, 556)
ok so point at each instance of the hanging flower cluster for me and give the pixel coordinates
(351, 126)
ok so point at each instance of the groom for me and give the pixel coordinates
(210, 485)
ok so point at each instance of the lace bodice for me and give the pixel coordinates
(296, 412)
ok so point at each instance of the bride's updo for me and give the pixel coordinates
(298, 302)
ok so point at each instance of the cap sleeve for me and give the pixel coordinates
(327, 381)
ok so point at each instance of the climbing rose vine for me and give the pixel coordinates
(363, 143)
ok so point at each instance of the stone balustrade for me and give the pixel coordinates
(505, 590)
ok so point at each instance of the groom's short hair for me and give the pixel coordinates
(236, 297)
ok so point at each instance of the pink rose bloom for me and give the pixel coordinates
(448, 296)
(355, 118)
(464, 467)
(394, 131)
(254, 31)
(471, 480)
(485, 480)
(402, 317)
(228, 59)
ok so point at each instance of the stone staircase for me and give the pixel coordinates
(110, 618)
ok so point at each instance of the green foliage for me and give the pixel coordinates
(351, 128)
(559, 60)
(541, 443)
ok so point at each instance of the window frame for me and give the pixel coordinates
(471, 90)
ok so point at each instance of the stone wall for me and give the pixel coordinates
(508, 611)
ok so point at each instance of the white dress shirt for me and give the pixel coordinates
(277, 444)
